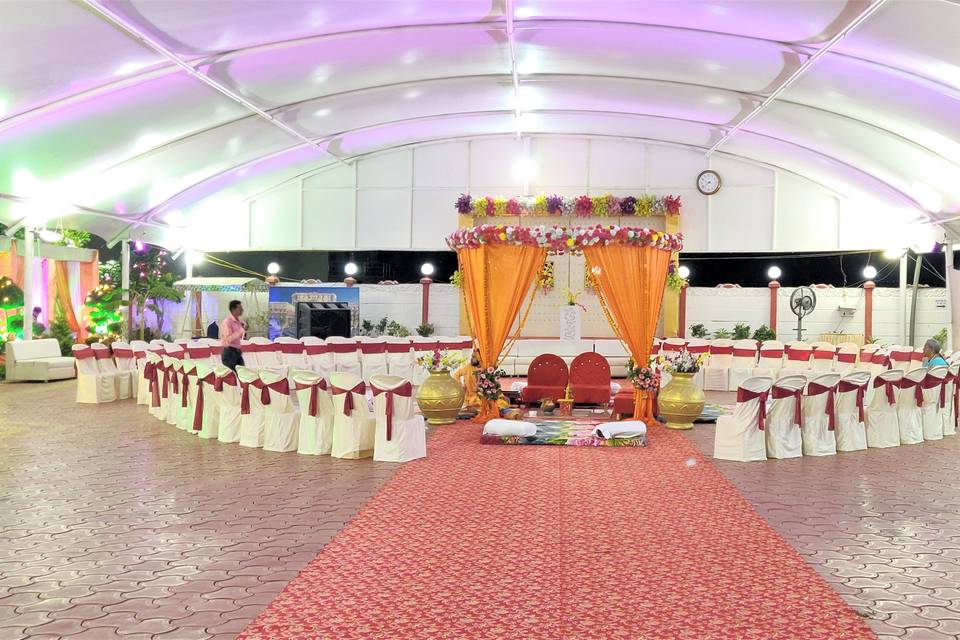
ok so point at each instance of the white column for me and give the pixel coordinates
(902, 333)
(949, 276)
(125, 285)
(28, 303)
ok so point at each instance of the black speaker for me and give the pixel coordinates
(323, 319)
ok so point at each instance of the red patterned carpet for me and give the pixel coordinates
(481, 541)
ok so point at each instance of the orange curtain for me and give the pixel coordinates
(496, 279)
(630, 279)
(10, 264)
(62, 289)
(89, 278)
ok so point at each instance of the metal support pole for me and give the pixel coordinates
(28, 303)
(125, 285)
(913, 303)
(902, 307)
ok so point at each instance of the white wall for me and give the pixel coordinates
(723, 308)
(403, 199)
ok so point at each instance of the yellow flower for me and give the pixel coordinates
(569, 242)
(503, 236)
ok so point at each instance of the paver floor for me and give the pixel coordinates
(112, 522)
(882, 526)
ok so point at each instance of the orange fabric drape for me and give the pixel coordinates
(10, 264)
(89, 278)
(496, 279)
(631, 279)
(62, 288)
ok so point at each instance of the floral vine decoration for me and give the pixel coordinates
(681, 362)
(441, 360)
(589, 279)
(562, 239)
(545, 279)
(674, 279)
(571, 299)
(583, 206)
(456, 279)
(488, 382)
(643, 378)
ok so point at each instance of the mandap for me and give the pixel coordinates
(499, 263)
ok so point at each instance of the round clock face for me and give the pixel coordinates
(708, 182)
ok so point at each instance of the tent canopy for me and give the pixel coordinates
(126, 112)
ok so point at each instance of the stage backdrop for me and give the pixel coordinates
(283, 310)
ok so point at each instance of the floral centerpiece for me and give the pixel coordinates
(643, 378)
(681, 362)
(443, 361)
(571, 299)
(488, 382)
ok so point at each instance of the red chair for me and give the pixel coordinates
(547, 377)
(590, 379)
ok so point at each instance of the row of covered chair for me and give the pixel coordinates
(795, 416)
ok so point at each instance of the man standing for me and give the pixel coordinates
(232, 330)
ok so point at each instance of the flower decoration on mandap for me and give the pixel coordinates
(674, 279)
(643, 378)
(441, 360)
(545, 279)
(681, 362)
(488, 382)
(563, 239)
(583, 206)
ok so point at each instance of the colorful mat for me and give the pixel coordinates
(571, 433)
(558, 542)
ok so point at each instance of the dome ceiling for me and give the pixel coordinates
(124, 111)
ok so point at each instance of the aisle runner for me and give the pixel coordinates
(558, 542)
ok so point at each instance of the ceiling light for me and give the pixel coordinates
(50, 235)
(524, 169)
(894, 254)
(774, 272)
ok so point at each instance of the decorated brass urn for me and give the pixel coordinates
(681, 401)
(440, 397)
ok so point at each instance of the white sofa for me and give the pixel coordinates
(38, 360)
(518, 359)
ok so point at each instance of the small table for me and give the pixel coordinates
(838, 338)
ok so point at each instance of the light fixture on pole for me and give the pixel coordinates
(869, 272)
(351, 269)
(273, 269)
(426, 269)
(774, 272)
(684, 271)
(894, 254)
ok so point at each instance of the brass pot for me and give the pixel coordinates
(440, 397)
(681, 401)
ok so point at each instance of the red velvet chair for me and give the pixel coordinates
(590, 379)
(547, 377)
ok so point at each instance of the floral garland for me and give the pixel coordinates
(441, 360)
(581, 206)
(589, 279)
(563, 239)
(674, 279)
(488, 382)
(545, 279)
(643, 378)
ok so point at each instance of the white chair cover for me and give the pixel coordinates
(850, 411)
(823, 357)
(153, 374)
(106, 366)
(741, 436)
(353, 426)
(346, 355)
(252, 415)
(782, 431)
(400, 357)
(227, 389)
(770, 360)
(949, 414)
(798, 356)
(188, 379)
(373, 357)
(318, 356)
(819, 416)
(900, 357)
(126, 367)
(909, 403)
(883, 428)
(268, 355)
(846, 359)
(716, 373)
(880, 362)
(251, 355)
(698, 347)
(282, 425)
(216, 350)
(422, 347)
(293, 353)
(167, 381)
(204, 401)
(140, 348)
(934, 394)
(93, 386)
(401, 434)
(316, 413)
(866, 357)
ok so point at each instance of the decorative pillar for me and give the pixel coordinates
(125, 285)
(868, 288)
(425, 300)
(28, 304)
(349, 281)
(682, 329)
(774, 292)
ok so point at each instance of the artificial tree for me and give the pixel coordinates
(151, 285)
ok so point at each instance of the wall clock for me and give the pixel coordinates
(708, 182)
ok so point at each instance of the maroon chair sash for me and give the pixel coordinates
(361, 389)
(101, 354)
(83, 354)
(313, 408)
(698, 349)
(930, 382)
(291, 347)
(198, 352)
(123, 352)
(245, 394)
(315, 349)
(210, 378)
(917, 387)
(881, 359)
(399, 347)
(847, 358)
(348, 347)
(823, 354)
(227, 378)
(845, 386)
(723, 351)
(916, 356)
(745, 395)
(889, 386)
(900, 356)
(280, 386)
(370, 348)
(772, 354)
(174, 379)
(671, 347)
(405, 390)
(799, 355)
(815, 389)
(185, 390)
(153, 384)
(216, 349)
(778, 393)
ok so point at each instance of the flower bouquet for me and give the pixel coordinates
(488, 382)
(681, 362)
(643, 378)
(441, 360)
